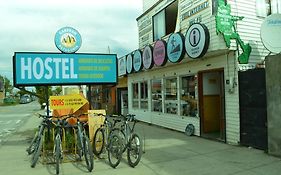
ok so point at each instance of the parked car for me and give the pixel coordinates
(25, 99)
(9, 100)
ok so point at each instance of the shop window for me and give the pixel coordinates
(171, 102)
(164, 22)
(156, 93)
(143, 94)
(135, 95)
(188, 98)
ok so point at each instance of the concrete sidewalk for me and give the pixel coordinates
(166, 153)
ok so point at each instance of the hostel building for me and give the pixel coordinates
(184, 75)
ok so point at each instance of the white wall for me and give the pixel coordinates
(188, 68)
(249, 28)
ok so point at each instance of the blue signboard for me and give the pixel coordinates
(64, 69)
(175, 47)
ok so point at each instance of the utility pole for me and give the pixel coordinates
(4, 89)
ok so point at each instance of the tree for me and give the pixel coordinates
(41, 93)
(57, 90)
(6, 85)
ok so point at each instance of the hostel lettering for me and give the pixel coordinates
(33, 69)
(49, 68)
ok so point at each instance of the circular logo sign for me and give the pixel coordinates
(129, 63)
(147, 57)
(197, 40)
(175, 47)
(68, 40)
(137, 60)
(159, 53)
(122, 67)
(270, 33)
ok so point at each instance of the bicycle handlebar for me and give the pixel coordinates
(129, 117)
(43, 116)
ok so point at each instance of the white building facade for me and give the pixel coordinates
(184, 74)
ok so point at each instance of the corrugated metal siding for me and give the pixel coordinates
(249, 28)
(184, 68)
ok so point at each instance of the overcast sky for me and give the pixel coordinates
(30, 26)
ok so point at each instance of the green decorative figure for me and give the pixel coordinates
(225, 26)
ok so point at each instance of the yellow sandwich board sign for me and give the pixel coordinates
(73, 101)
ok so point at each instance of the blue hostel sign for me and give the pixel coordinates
(32, 69)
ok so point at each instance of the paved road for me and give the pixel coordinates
(11, 117)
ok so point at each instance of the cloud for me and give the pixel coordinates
(30, 26)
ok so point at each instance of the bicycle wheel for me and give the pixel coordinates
(98, 142)
(57, 153)
(134, 151)
(79, 145)
(33, 144)
(121, 136)
(88, 153)
(37, 151)
(114, 150)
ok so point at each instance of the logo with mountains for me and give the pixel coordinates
(175, 47)
(68, 40)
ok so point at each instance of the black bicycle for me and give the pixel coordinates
(37, 141)
(130, 140)
(84, 147)
(105, 138)
(59, 122)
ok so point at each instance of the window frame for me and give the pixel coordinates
(173, 106)
(135, 100)
(161, 99)
(143, 99)
(165, 20)
(193, 99)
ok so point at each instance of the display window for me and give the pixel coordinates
(171, 96)
(135, 94)
(188, 97)
(156, 94)
(144, 95)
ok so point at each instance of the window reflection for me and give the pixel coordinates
(135, 95)
(188, 96)
(171, 105)
(156, 90)
(144, 96)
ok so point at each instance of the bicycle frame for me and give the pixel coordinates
(128, 130)
(58, 134)
(80, 132)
